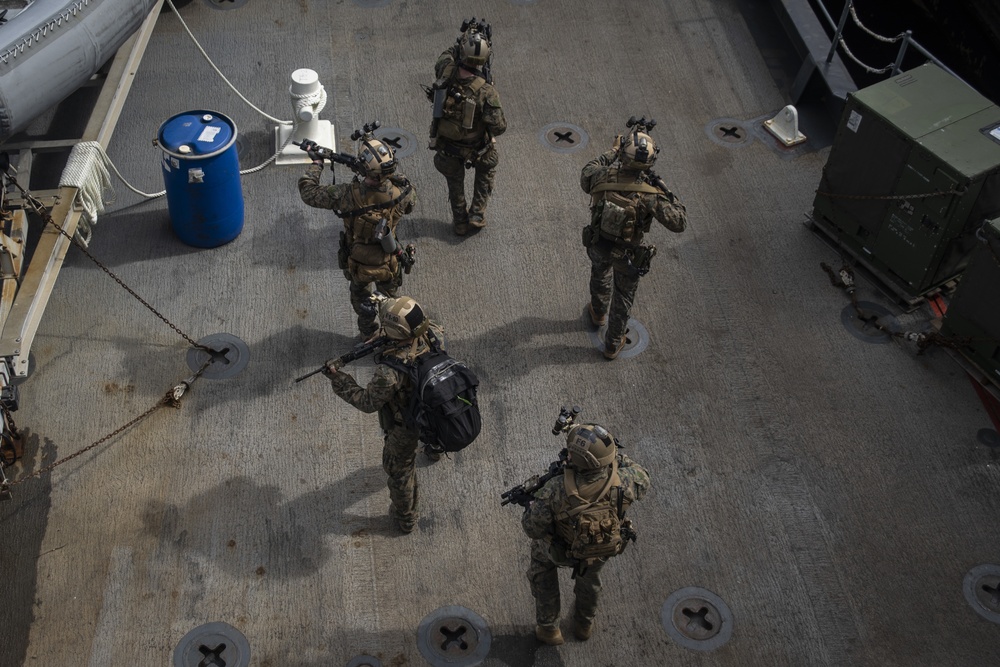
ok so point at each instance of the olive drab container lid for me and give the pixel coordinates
(196, 134)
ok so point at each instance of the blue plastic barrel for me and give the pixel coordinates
(201, 173)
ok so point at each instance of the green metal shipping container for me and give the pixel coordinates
(973, 316)
(914, 170)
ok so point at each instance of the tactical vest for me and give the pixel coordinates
(589, 524)
(462, 120)
(615, 205)
(366, 260)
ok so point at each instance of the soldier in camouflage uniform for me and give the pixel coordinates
(371, 206)
(388, 393)
(596, 472)
(625, 198)
(463, 137)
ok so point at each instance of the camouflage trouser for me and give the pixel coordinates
(543, 575)
(611, 281)
(453, 168)
(359, 295)
(399, 456)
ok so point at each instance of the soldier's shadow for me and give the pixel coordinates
(251, 529)
(439, 229)
(517, 348)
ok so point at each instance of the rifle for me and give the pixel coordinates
(523, 494)
(350, 161)
(437, 93)
(360, 350)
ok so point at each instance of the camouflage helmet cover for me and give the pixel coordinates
(591, 446)
(638, 151)
(378, 159)
(402, 318)
(473, 49)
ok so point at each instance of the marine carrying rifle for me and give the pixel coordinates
(360, 350)
(352, 162)
(523, 494)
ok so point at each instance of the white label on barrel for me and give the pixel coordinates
(208, 134)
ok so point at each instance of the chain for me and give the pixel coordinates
(953, 191)
(41, 211)
(172, 398)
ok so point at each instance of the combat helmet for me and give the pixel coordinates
(402, 318)
(378, 159)
(591, 446)
(638, 151)
(473, 49)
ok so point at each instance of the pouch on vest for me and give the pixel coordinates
(368, 273)
(591, 530)
(617, 216)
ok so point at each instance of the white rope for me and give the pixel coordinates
(867, 68)
(857, 21)
(87, 170)
(317, 99)
(219, 72)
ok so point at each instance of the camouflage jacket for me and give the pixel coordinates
(664, 206)
(539, 520)
(388, 392)
(341, 198)
(488, 116)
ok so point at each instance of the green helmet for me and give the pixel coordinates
(591, 447)
(402, 318)
(638, 151)
(473, 49)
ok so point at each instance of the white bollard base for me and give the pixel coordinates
(320, 131)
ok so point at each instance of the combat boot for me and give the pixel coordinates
(582, 629)
(597, 320)
(549, 634)
(405, 526)
(477, 220)
(613, 347)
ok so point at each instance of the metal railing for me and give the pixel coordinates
(905, 39)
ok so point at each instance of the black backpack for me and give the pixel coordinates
(443, 408)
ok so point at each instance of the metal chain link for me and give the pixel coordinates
(41, 211)
(171, 398)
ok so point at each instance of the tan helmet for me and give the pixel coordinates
(402, 318)
(638, 151)
(591, 447)
(378, 159)
(473, 49)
